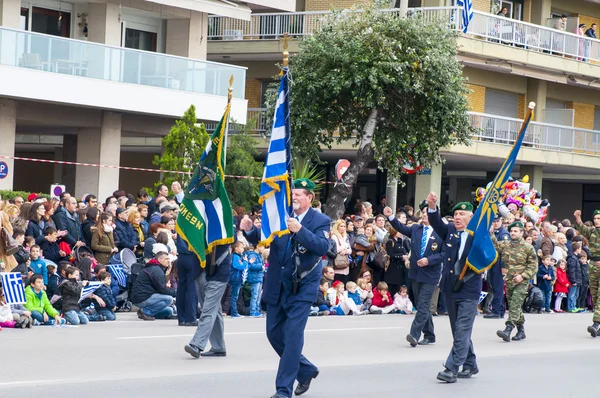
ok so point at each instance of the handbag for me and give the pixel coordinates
(341, 262)
(11, 246)
(381, 260)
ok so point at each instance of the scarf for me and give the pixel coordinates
(140, 232)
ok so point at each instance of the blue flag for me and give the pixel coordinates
(467, 13)
(483, 253)
(275, 188)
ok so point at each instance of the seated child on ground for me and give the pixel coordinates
(105, 294)
(70, 291)
(402, 301)
(38, 304)
(353, 299)
(6, 316)
(322, 306)
(382, 300)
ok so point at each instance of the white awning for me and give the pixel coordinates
(218, 7)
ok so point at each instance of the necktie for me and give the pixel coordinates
(424, 240)
(457, 267)
(460, 246)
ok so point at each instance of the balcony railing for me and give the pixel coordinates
(98, 61)
(256, 116)
(483, 26)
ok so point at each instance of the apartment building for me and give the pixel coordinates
(509, 60)
(100, 82)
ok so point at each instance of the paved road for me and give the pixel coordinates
(358, 357)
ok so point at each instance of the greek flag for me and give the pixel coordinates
(482, 296)
(275, 189)
(89, 289)
(467, 12)
(117, 272)
(12, 285)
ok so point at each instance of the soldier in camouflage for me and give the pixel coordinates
(593, 237)
(521, 264)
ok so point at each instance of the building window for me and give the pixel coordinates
(50, 22)
(140, 40)
(24, 22)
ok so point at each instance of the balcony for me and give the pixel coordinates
(50, 68)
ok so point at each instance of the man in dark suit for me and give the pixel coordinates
(461, 297)
(494, 274)
(291, 286)
(427, 255)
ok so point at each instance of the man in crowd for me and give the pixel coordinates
(91, 201)
(426, 258)
(494, 274)
(18, 200)
(66, 219)
(150, 292)
(291, 286)
(329, 274)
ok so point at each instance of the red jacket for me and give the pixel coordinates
(562, 282)
(378, 299)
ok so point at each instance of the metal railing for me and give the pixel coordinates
(254, 114)
(98, 61)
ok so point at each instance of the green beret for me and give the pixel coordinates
(423, 205)
(596, 212)
(516, 224)
(304, 183)
(466, 206)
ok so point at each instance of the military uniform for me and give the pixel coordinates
(593, 237)
(519, 258)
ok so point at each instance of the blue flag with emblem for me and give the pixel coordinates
(275, 188)
(483, 254)
(467, 13)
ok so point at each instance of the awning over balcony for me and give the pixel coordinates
(224, 8)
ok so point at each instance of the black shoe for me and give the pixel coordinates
(426, 342)
(442, 312)
(505, 334)
(143, 316)
(447, 376)
(193, 351)
(413, 342)
(195, 323)
(594, 330)
(279, 396)
(301, 388)
(101, 318)
(467, 373)
(520, 333)
(434, 314)
(212, 353)
(491, 315)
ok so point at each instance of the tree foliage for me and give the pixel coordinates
(391, 85)
(182, 148)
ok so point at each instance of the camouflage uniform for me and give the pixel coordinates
(593, 237)
(518, 257)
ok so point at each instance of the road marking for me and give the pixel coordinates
(263, 332)
(33, 382)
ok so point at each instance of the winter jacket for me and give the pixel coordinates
(544, 284)
(106, 294)
(21, 257)
(102, 246)
(148, 244)
(50, 250)
(36, 231)
(125, 235)
(66, 221)
(574, 270)
(86, 231)
(255, 269)
(355, 297)
(562, 282)
(239, 266)
(38, 302)
(151, 280)
(39, 267)
(5, 313)
(378, 299)
(70, 291)
(52, 287)
(403, 303)
(322, 300)
(585, 274)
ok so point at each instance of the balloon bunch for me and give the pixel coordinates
(517, 197)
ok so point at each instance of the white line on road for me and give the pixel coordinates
(34, 382)
(263, 332)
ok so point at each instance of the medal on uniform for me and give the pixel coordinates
(434, 247)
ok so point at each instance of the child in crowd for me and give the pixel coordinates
(402, 301)
(38, 304)
(50, 247)
(339, 299)
(545, 276)
(585, 282)
(28, 242)
(366, 294)
(70, 291)
(38, 265)
(575, 277)
(322, 306)
(382, 300)
(239, 267)
(105, 294)
(22, 255)
(353, 299)
(6, 316)
(535, 299)
(19, 312)
(256, 272)
(562, 286)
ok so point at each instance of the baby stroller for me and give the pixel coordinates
(120, 267)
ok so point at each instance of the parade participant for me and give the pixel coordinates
(427, 255)
(494, 274)
(291, 286)
(461, 298)
(593, 237)
(520, 260)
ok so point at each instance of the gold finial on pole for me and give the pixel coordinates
(286, 54)
(230, 91)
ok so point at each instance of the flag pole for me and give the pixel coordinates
(285, 71)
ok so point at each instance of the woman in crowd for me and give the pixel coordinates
(12, 211)
(368, 261)
(560, 247)
(50, 208)
(8, 260)
(151, 241)
(91, 219)
(143, 210)
(135, 219)
(37, 223)
(397, 247)
(103, 241)
(343, 251)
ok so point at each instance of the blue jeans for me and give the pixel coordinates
(158, 306)
(235, 294)
(572, 298)
(76, 317)
(108, 314)
(40, 318)
(547, 297)
(255, 300)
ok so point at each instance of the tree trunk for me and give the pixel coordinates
(391, 193)
(343, 191)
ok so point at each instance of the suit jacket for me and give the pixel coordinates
(434, 252)
(312, 243)
(472, 282)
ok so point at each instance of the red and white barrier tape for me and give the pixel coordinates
(108, 166)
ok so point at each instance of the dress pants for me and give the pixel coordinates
(286, 321)
(188, 270)
(423, 321)
(462, 316)
(497, 285)
(210, 325)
